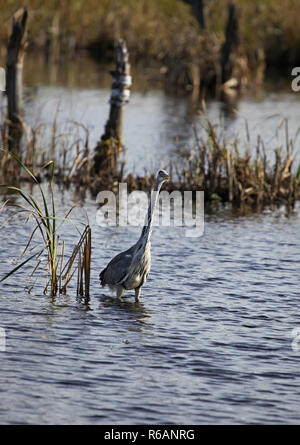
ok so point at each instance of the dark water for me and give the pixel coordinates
(210, 341)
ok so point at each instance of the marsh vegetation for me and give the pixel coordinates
(220, 50)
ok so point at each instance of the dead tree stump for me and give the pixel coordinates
(110, 145)
(14, 78)
(232, 39)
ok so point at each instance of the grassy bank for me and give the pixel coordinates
(167, 31)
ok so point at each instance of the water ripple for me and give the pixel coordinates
(210, 341)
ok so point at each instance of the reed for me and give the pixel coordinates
(68, 146)
(82, 251)
(219, 167)
(225, 168)
(45, 217)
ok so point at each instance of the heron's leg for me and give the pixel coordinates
(137, 293)
(120, 291)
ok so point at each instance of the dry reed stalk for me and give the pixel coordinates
(82, 251)
(241, 178)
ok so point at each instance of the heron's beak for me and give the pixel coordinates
(167, 178)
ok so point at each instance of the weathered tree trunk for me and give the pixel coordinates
(198, 10)
(120, 92)
(109, 147)
(52, 43)
(14, 79)
(228, 52)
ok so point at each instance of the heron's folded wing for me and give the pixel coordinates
(117, 268)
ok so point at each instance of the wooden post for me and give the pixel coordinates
(231, 43)
(109, 147)
(14, 79)
(120, 92)
(260, 69)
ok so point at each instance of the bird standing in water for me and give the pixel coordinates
(129, 269)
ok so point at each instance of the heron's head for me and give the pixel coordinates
(163, 176)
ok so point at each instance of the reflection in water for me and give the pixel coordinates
(135, 310)
(84, 302)
(229, 107)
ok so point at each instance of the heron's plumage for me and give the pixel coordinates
(129, 269)
(117, 268)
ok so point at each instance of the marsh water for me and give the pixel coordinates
(213, 338)
(156, 125)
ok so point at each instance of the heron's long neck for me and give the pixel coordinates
(147, 229)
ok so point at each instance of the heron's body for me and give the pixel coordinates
(129, 269)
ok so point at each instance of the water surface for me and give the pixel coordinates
(210, 341)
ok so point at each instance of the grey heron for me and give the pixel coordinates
(129, 269)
